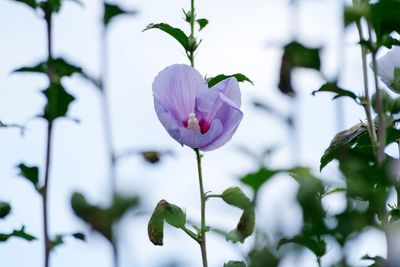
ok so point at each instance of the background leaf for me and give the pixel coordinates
(30, 173)
(111, 11)
(5, 209)
(17, 233)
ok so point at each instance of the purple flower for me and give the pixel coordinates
(193, 114)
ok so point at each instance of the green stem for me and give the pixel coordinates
(202, 236)
(379, 109)
(191, 37)
(190, 233)
(367, 103)
(213, 196)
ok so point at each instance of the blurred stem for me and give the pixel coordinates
(108, 127)
(191, 37)
(46, 240)
(115, 251)
(397, 185)
(106, 109)
(367, 101)
(379, 107)
(202, 235)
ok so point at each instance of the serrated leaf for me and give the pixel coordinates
(30, 173)
(176, 33)
(30, 3)
(58, 68)
(58, 101)
(219, 78)
(111, 11)
(202, 23)
(17, 233)
(235, 264)
(5, 209)
(339, 92)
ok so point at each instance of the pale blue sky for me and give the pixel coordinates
(243, 36)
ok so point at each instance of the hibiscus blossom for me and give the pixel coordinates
(193, 114)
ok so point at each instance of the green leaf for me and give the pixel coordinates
(394, 214)
(17, 233)
(235, 264)
(219, 78)
(256, 179)
(389, 41)
(234, 196)
(202, 23)
(176, 33)
(5, 209)
(102, 219)
(318, 247)
(339, 92)
(309, 197)
(58, 101)
(385, 18)
(30, 173)
(111, 11)
(171, 213)
(340, 140)
(30, 3)
(59, 239)
(57, 67)
(296, 55)
(354, 13)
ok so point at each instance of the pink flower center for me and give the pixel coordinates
(193, 123)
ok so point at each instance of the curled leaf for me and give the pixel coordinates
(171, 213)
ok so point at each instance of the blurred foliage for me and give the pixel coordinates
(296, 55)
(101, 219)
(111, 11)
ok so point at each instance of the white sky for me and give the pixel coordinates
(243, 36)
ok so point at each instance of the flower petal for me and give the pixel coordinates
(387, 64)
(230, 116)
(189, 137)
(230, 88)
(176, 88)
